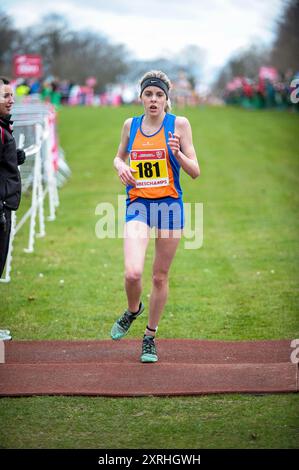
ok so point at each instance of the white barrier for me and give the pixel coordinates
(43, 171)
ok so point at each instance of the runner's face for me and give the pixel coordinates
(6, 99)
(153, 100)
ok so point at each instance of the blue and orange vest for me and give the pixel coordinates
(158, 170)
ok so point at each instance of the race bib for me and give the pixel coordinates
(151, 168)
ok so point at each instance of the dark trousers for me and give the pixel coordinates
(4, 240)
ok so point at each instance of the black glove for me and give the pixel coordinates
(3, 225)
(21, 156)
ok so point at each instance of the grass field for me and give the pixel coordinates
(242, 284)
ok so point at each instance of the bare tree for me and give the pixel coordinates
(285, 53)
(7, 42)
(66, 54)
(243, 64)
(89, 54)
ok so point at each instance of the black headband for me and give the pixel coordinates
(153, 81)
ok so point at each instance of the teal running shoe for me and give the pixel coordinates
(122, 325)
(149, 351)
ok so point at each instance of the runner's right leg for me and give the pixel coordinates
(136, 238)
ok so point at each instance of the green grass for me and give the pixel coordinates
(242, 284)
(223, 421)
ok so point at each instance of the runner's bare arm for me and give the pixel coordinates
(181, 144)
(119, 162)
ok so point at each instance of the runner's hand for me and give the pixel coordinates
(174, 143)
(125, 174)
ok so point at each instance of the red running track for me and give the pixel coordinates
(112, 368)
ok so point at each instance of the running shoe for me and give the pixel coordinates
(122, 325)
(149, 350)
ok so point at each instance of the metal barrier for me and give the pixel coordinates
(42, 173)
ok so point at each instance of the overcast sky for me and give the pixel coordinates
(163, 27)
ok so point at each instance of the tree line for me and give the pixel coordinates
(68, 54)
(283, 54)
(75, 55)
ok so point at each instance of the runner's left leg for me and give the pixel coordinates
(165, 250)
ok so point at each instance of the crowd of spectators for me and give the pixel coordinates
(65, 92)
(268, 90)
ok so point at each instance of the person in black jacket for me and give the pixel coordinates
(10, 180)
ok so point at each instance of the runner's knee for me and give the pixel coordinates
(133, 275)
(160, 279)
